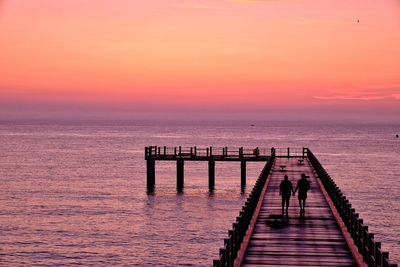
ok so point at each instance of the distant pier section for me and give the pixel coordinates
(211, 155)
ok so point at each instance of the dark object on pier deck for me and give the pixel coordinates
(210, 154)
(330, 234)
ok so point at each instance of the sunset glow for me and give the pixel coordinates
(200, 55)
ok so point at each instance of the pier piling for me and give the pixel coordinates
(151, 175)
(211, 174)
(243, 173)
(179, 175)
(210, 154)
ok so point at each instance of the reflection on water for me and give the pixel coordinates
(77, 194)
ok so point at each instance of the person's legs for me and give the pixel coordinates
(287, 204)
(301, 209)
(283, 204)
(302, 202)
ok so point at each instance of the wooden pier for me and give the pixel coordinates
(330, 233)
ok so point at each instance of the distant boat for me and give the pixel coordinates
(397, 136)
(252, 125)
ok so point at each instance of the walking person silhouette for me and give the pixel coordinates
(303, 185)
(285, 190)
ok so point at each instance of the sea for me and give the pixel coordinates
(74, 193)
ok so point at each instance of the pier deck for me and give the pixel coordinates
(312, 240)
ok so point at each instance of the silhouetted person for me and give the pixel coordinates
(285, 190)
(256, 151)
(303, 185)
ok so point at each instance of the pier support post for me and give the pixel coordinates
(179, 175)
(211, 174)
(243, 174)
(151, 175)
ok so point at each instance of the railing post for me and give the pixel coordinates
(365, 250)
(227, 251)
(195, 151)
(359, 234)
(352, 216)
(180, 151)
(165, 150)
(378, 254)
(371, 250)
(210, 151)
(236, 245)
(207, 151)
(385, 258)
(231, 235)
(288, 152)
(222, 255)
(175, 151)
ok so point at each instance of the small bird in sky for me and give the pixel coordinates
(358, 21)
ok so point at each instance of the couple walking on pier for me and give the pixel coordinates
(286, 190)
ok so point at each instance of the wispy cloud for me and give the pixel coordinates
(350, 97)
(368, 94)
(195, 5)
(310, 20)
(249, 1)
(198, 6)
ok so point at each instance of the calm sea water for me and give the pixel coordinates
(75, 193)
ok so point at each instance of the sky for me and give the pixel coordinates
(272, 59)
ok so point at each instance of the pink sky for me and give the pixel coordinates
(234, 55)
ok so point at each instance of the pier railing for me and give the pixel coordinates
(363, 239)
(229, 252)
(165, 152)
(290, 152)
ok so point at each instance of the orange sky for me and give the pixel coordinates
(173, 55)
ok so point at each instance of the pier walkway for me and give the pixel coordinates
(311, 240)
(330, 233)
